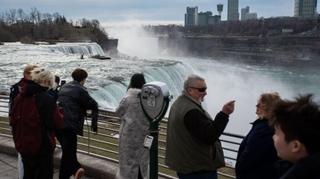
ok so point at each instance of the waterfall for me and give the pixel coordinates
(87, 49)
(107, 82)
(171, 73)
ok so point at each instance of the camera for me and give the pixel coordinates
(62, 82)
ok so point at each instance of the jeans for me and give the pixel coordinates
(199, 175)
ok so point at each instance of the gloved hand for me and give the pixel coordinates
(94, 121)
(94, 127)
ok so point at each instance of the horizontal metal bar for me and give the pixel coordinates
(100, 141)
(233, 135)
(231, 150)
(6, 135)
(5, 129)
(229, 142)
(4, 122)
(4, 97)
(230, 158)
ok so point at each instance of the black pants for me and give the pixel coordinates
(69, 162)
(40, 166)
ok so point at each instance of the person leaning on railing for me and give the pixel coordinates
(74, 100)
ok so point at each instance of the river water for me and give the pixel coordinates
(227, 79)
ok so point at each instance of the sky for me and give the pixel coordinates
(149, 11)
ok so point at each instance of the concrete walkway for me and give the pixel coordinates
(8, 166)
(95, 168)
(9, 169)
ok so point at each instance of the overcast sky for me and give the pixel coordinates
(144, 10)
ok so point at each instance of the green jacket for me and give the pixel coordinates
(184, 153)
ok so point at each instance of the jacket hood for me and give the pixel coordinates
(30, 88)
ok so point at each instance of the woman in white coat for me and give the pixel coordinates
(133, 156)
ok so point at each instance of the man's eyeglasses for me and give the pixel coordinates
(201, 90)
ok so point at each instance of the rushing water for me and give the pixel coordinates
(107, 82)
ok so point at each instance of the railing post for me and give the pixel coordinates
(154, 132)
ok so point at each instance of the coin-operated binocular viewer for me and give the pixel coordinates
(154, 100)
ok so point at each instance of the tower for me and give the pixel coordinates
(220, 9)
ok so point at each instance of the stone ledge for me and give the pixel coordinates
(95, 167)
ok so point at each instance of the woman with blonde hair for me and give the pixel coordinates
(35, 107)
(257, 155)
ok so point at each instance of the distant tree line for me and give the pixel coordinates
(17, 25)
(259, 27)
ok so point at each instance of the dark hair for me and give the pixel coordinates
(137, 81)
(79, 74)
(300, 120)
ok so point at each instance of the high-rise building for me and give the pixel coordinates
(233, 10)
(212, 20)
(251, 16)
(203, 18)
(305, 8)
(244, 11)
(246, 15)
(191, 17)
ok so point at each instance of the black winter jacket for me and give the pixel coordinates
(307, 168)
(257, 155)
(75, 101)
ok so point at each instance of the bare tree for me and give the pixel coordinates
(47, 17)
(38, 16)
(95, 24)
(2, 17)
(34, 15)
(11, 16)
(21, 15)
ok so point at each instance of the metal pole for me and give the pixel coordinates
(154, 132)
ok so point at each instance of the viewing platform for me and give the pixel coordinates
(98, 153)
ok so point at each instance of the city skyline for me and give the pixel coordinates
(139, 11)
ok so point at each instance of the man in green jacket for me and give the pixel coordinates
(193, 147)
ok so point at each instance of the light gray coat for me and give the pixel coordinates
(133, 130)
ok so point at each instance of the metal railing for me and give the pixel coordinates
(104, 144)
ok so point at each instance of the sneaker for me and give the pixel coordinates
(79, 173)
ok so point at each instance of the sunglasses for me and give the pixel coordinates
(259, 105)
(201, 90)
